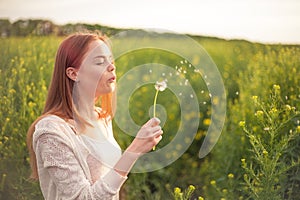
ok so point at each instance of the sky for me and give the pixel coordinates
(266, 21)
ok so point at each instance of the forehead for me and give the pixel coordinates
(98, 48)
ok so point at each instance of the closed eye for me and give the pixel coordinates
(100, 61)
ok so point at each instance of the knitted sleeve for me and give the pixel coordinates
(56, 156)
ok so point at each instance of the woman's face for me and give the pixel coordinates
(97, 72)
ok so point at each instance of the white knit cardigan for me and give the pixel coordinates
(68, 165)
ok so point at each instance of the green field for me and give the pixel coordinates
(256, 157)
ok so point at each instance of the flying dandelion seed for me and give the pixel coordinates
(210, 95)
(186, 82)
(184, 71)
(170, 74)
(202, 91)
(190, 65)
(181, 62)
(204, 102)
(150, 71)
(192, 96)
(163, 74)
(180, 93)
(237, 93)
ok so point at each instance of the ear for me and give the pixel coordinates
(72, 73)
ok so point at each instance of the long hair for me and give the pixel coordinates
(59, 102)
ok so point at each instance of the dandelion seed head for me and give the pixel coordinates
(161, 85)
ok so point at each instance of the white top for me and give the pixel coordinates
(74, 166)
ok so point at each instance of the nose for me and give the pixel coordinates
(111, 67)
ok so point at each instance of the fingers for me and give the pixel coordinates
(152, 122)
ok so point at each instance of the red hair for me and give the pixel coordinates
(71, 53)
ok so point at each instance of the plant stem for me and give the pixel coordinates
(154, 103)
(154, 109)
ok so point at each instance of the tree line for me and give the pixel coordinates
(39, 27)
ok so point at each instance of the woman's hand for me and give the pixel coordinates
(148, 136)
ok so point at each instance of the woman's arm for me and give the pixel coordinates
(56, 157)
(148, 136)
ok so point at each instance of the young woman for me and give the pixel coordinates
(72, 149)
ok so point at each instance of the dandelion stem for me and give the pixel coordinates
(154, 103)
(154, 110)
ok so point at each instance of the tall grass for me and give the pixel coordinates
(248, 162)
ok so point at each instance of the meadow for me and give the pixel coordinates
(256, 156)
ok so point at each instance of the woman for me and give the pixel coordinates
(72, 149)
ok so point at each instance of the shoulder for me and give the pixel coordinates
(52, 126)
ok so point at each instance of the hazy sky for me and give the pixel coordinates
(268, 21)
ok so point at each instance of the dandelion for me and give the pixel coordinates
(159, 86)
